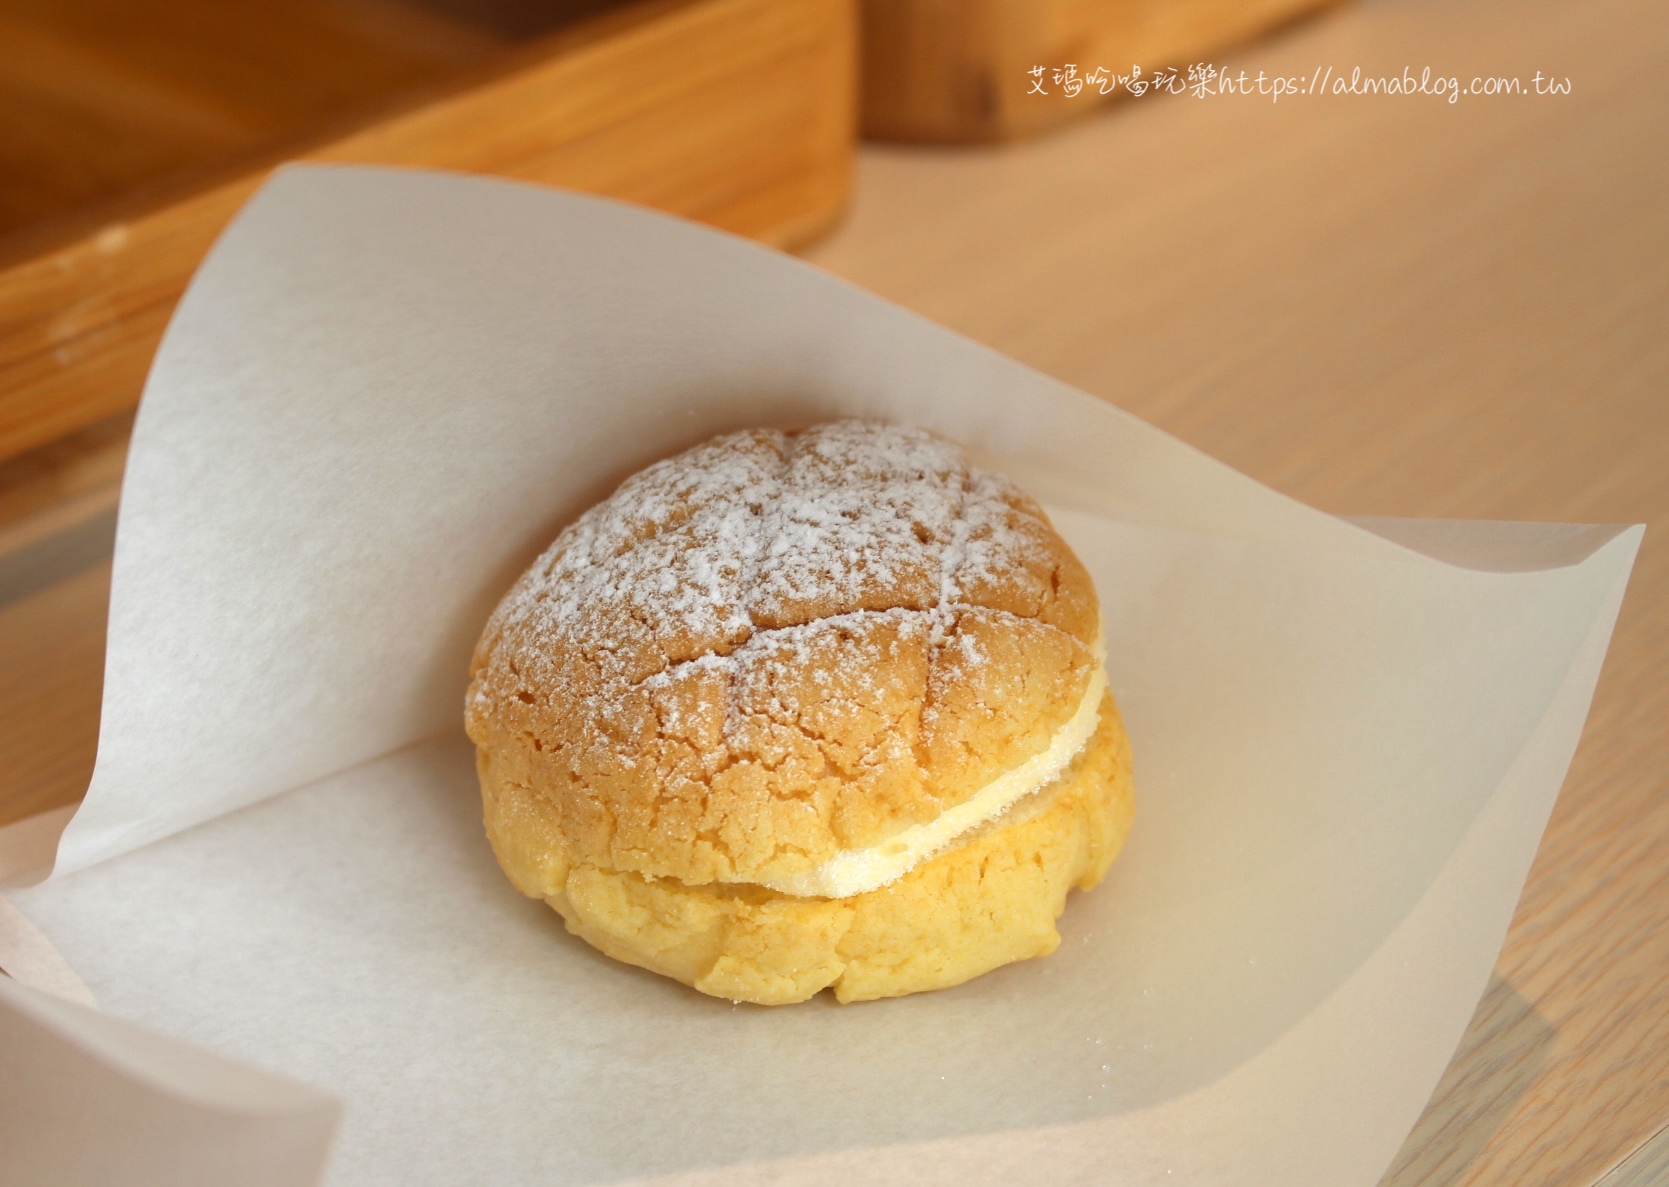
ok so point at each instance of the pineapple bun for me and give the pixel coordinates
(803, 710)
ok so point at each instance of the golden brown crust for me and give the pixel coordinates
(989, 902)
(777, 646)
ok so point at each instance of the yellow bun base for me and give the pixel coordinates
(988, 902)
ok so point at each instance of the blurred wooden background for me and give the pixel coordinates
(961, 71)
(131, 131)
(99, 98)
(135, 142)
(105, 100)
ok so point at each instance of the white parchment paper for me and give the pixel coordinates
(384, 393)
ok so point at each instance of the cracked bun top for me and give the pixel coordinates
(777, 646)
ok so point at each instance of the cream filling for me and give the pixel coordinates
(856, 871)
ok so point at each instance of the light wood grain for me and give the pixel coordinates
(736, 112)
(956, 70)
(1394, 306)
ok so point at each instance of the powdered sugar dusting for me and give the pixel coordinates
(766, 531)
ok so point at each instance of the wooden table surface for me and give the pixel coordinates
(1381, 305)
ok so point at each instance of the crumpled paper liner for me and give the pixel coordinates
(384, 393)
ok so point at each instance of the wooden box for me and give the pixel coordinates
(740, 113)
(961, 70)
